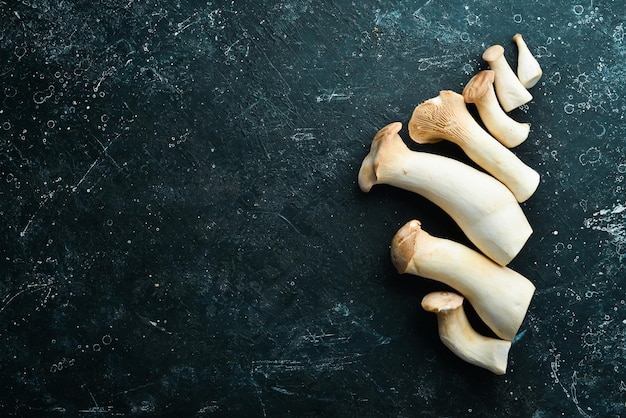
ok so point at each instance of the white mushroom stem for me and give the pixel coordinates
(510, 91)
(528, 69)
(457, 334)
(499, 295)
(484, 208)
(479, 90)
(446, 117)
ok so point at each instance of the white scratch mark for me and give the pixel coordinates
(191, 20)
(160, 328)
(282, 390)
(30, 287)
(230, 47)
(437, 61)
(571, 392)
(270, 368)
(330, 95)
(106, 73)
(418, 11)
(612, 221)
(75, 187)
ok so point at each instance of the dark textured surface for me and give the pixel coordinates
(182, 232)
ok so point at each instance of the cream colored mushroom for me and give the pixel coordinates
(510, 91)
(528, 69)
(479, 91)
(484, 208)
(446, 117)
(457, 334)
(499, 295)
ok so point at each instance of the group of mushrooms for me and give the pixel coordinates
(485, 204)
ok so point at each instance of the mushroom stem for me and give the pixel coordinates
(457, 334)
(484, 208)
(499, 295)
(479, 90)
(528, 69)
(510, 91)
(446, 117)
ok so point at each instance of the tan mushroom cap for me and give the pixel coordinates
(367, 172)
(439, 118)
(442, 301)
(404, 245)
(478, 86)
(493, 53)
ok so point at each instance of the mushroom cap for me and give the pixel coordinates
(442, 301)
(493, 53)
(369, 166)
(478, 86)
(403, 245)
(438, 118)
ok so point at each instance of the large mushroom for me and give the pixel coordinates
(484, 208)
(500, 295)
(446, 117)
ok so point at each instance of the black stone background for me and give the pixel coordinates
(182, 233)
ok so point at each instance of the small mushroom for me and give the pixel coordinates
(479, 91)
(457, 334)
(446, 117)
(528, 69)
(510, 91)
(499, 295)
(484, 208)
